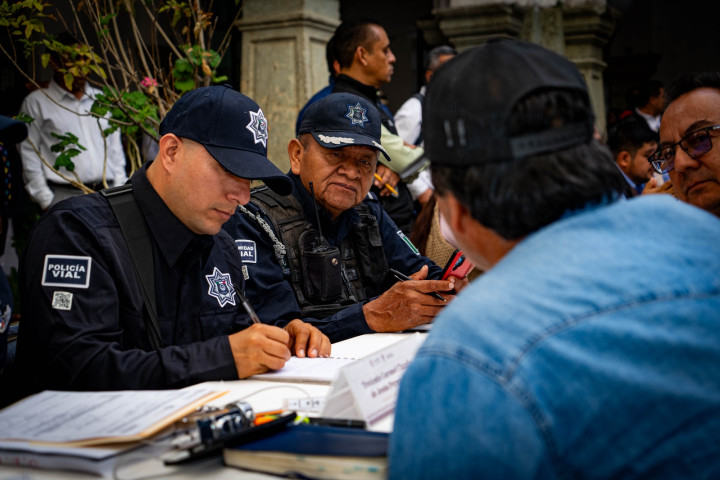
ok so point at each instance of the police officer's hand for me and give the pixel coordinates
(259, 348)
(407, 304)
(307, 340)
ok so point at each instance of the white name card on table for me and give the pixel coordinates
(367, 389)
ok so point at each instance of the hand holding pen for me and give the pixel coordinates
(386, 179)
(404, 278)
(408, 303)
(392, 191)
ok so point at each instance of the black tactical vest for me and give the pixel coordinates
(325, 279)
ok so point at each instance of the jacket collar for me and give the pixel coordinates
(346, 84)
(170, 234)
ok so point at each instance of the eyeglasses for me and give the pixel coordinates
(695, 144)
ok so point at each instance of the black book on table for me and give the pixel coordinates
(315, 451)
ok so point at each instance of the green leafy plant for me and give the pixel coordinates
(67, 148)
(142, 54)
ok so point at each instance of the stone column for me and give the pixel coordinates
(283, 61)
(578, 29)
(473, 23)
(588, 25)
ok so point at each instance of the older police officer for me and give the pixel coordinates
(324, 253)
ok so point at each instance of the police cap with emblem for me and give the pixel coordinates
(343, 119)
(232, 128)
(470, 98)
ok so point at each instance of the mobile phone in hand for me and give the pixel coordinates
(458, 266)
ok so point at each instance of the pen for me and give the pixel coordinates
(336, 422)
(388, 186)
(264, 419)
(246, 305)
(270, 412)
(403, 278)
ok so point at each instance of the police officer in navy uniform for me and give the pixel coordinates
(324, 253)
(84, 320)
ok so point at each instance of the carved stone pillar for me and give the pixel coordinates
(283, 61)
(469, 25)
(588, 26)
(578, 29)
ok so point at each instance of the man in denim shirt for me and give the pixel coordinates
(572, 356)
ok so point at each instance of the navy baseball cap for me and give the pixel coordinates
(343, 119)
(232, 128)
(470, 98)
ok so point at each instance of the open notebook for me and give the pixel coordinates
(314, 370)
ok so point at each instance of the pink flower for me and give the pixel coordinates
(149, 82)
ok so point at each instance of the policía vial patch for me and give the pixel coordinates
(221, 287)
(66, 271)
(247, 250)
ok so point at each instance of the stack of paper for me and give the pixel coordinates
(88, 431)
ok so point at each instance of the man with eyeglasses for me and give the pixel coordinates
(692, 123)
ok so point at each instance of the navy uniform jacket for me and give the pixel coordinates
(82, 323)
(273, 296)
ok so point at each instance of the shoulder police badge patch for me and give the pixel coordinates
(221, 287)
(407, 242)
(247, 250)
(259, 127)
(357, 114)
(66, 271)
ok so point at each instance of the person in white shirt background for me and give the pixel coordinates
(57, 109)
(408, 120)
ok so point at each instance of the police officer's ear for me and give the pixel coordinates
(296, 152)
(170, 146)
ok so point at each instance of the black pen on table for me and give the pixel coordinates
(248, 308)
(404, 278)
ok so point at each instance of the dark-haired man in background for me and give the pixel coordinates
(650, 103)
(632, 143)
(362, 50)
(572, 356)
